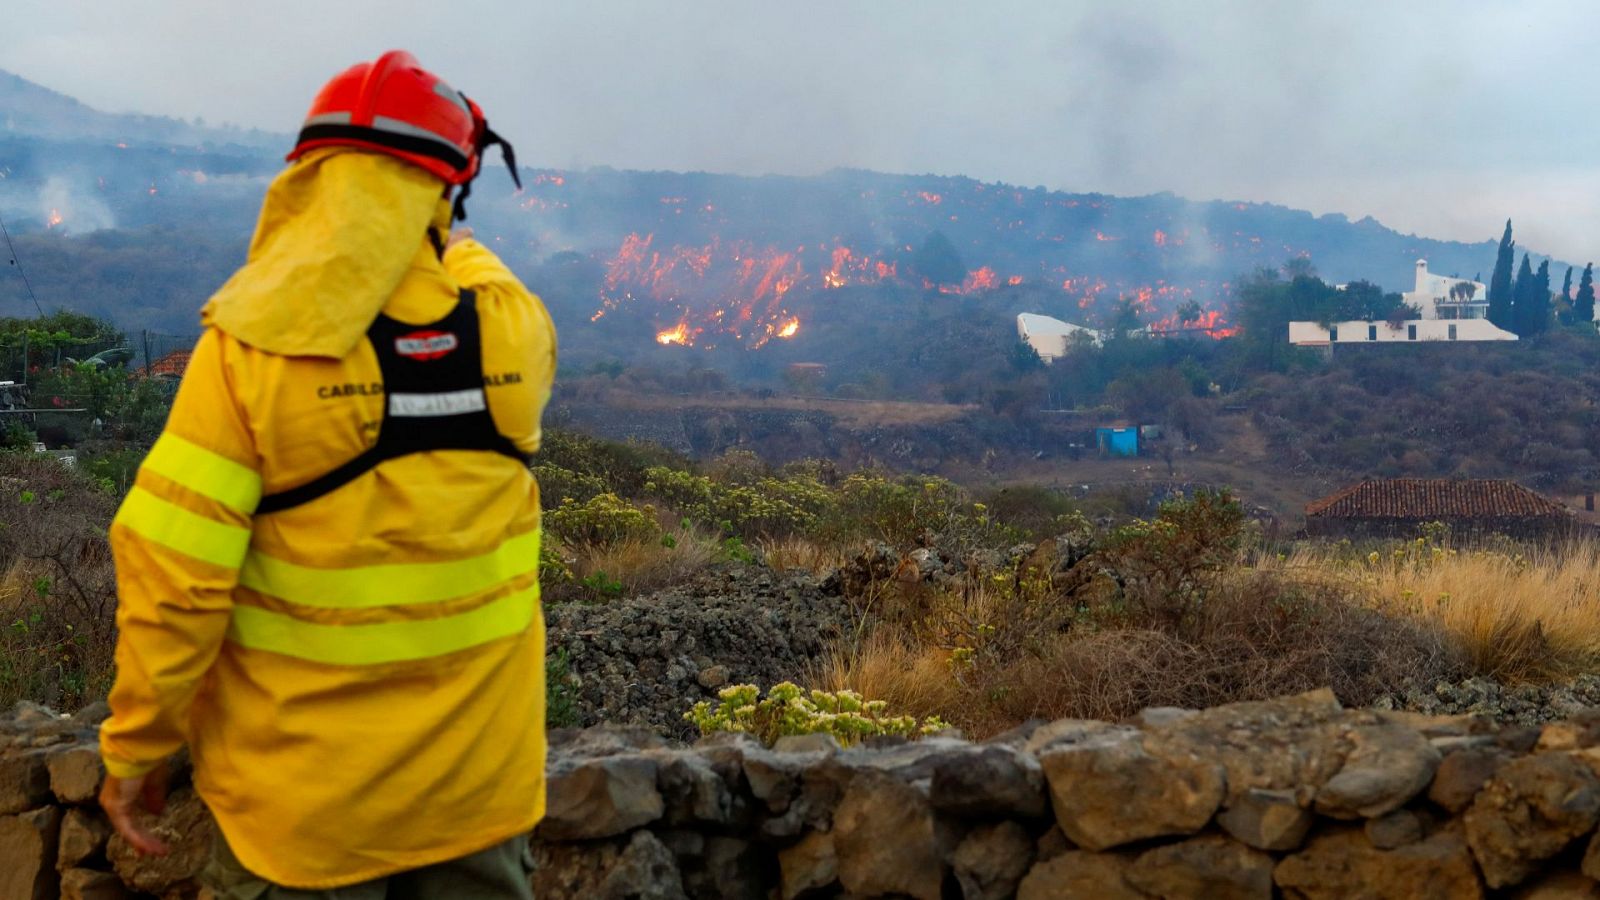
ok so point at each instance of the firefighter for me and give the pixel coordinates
(328, 566)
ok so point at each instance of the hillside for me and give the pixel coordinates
(698, 259)
(29, 109)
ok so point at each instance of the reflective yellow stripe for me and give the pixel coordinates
(386, 642)
(205, 472)
(178, 529)
(390, 584)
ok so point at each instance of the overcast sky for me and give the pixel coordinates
(1442, 118)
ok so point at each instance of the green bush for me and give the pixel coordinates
(1166, 565)
(764, 506)
(789, 710)
(561, 691)
(602, 520)
(557, 485)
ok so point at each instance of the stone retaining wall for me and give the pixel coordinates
(1293, 798)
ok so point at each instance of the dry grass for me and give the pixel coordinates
(784, 554)
(986, 659)
(1514, 617)
(641, 566)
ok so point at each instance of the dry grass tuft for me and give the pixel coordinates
(1514, 617)
(788, 553)
(986, 659)
(643, 565)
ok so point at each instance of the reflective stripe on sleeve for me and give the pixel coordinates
(203, 471)
(390, 584)
(176, 528)
(385, 642)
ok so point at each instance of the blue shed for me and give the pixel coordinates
(1117, 440)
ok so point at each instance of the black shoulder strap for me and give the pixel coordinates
(434, 399)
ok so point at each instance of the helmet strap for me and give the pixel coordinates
(508, 154)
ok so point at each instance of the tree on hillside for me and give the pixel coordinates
(1538, 314)
(1500, 291)
(1566, 286)
(1522, 291)
(1299, 267)
(938, 261)
(1583, 304)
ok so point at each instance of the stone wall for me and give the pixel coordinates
(1293, 798)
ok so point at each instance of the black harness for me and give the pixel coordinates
(434, 399)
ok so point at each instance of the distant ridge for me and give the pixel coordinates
(29, 109)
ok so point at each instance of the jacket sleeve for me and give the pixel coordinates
(178, 540)
(523, 318)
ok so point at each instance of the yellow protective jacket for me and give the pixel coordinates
(360, 679)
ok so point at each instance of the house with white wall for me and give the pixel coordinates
(1050, 338)
(1315, 334)
(1444, 297)
(1452, 309)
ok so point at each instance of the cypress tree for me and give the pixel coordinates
(1521, 299)
(1566, 286)
(1583, 304)
(1500, 282)
(1539, 301)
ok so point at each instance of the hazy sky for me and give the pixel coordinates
(1442, 118)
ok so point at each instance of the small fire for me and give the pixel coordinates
(152, 189)
(677, 334)
(930, 198)
(1014, 280)
(789, 329)
(1105, 238)
(1160, 238)
(54, 220)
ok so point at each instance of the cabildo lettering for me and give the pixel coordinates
(332, 391)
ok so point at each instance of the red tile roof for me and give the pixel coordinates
(1435, 498)
(173, 364)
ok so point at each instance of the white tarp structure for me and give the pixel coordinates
(1049, 337)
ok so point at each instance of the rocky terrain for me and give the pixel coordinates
(1522, 704)
(1295, 797)
(646, 660)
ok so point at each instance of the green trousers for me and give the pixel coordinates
(498, 873)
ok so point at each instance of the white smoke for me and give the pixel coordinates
(73, 208)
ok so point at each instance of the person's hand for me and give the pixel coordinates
(457, 235)
(120, 797)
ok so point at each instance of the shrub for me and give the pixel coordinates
(620, 467)
(58, 592)
(602, 520)
(561, 691)
(761, 506)
(1165, 567)
(557, 485)
(788, 710)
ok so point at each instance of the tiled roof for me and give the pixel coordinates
(174, 363)
(1435, 498)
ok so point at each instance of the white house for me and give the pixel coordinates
(1453, 309)
(1314, 334)
(1049, 337)
(1443, 297)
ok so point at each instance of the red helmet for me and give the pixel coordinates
(395, 106)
